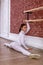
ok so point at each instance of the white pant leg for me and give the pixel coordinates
(17, 47)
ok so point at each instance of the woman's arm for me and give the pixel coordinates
(28, 27)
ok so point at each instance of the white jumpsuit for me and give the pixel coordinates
(19, 43)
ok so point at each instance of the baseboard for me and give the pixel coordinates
(4, 35)
(36, 42)
(0, 35)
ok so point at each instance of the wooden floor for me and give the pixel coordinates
(11, 57)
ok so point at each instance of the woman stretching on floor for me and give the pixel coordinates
(19, 44)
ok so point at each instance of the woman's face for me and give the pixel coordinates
(24, 28)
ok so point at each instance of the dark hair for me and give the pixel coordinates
(21, 26)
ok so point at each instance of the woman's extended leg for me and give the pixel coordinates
(18, 48)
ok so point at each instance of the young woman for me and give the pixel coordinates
(19, 43)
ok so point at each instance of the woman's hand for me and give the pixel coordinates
(29, 48)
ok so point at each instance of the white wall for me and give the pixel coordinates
(5, 17)
(0, 16)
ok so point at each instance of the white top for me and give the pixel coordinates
(22, 35)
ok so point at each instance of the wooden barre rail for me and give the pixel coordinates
(35, 9)
(36, 20)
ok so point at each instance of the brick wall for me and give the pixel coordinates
(17, 16)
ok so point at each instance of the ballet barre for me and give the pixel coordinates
(33, 10)
(30, 12)
(35, 20)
